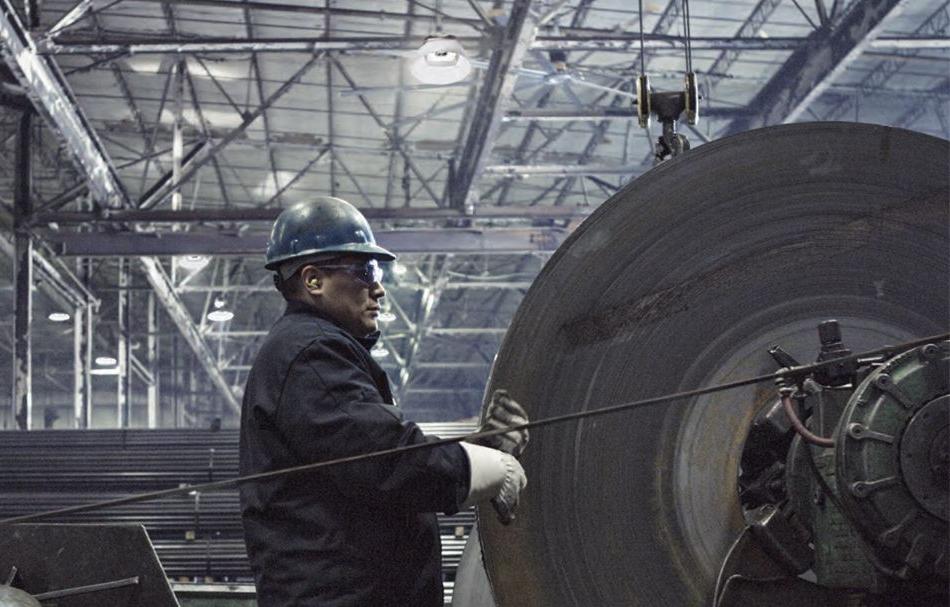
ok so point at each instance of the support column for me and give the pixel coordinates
(176, 383)
(82, 357)
(123, 353)
(152, 361)
(23, 282)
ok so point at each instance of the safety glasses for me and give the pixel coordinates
(368, 272)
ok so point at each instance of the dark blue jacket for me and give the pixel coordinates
(361, 534)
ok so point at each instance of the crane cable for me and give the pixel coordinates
(688, 34)
(787, 373)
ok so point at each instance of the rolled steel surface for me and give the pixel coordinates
(684, 278)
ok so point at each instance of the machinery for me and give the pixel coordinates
(81, 566)
(788, 244)
(863, 509)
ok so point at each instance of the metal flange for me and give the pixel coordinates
(891, 459)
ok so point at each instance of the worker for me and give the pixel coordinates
(362, 533)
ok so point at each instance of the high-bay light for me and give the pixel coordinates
(193, 262)
(440, 60)
(219, 314)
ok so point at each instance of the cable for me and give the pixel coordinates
(643, 62)
(786, 373)
(689, 36)
(807, 435)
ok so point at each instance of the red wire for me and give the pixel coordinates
(807, 435)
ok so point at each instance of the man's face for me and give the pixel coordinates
(350, 301)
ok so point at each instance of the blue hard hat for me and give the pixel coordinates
(321, 225)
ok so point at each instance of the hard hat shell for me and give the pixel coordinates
(321, 225)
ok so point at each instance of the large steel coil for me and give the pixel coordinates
(684, 279)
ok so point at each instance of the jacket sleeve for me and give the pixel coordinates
(330, 408)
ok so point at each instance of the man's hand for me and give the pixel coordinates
(503, 412)
(495, 476)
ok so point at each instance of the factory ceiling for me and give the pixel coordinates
(166, 129)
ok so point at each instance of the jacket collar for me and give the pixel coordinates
(299, 307)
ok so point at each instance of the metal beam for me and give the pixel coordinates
(51, 95)
(151, 358)
(466, 331)
(514, 170)
(811, 69)
(510, 45)
(70, 18)
(312, 9)
(917, 110)
(912, 43)
(425, 308)
(542, 114)
(123, 346)
(937, 23)
(396, 144)
(608, 42)
(546, 93)
(750, 27)
(269, 288)
(82, 357)
(192, 44)
(57, 282)
(421, 366)
(207, 153)
(600, 113)
(611, 41)
(180, 316)
(23, 280)
(597, 40)
(268, 215)
(436, 240)
(47, 89)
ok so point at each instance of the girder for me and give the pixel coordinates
(46, 87)
(811, 69)
(164, 290)
(499, 82)
(936, 24)
(436, 240)
(44, 84)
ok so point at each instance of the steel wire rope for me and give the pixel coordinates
(643, 63)
(782, 374)
(687, 32)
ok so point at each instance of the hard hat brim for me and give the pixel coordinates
(364, 248)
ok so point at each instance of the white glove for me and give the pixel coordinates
(495, 476)
(504, 411)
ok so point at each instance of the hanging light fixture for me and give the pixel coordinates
(379, 351)
(219, 314)
(193, 262)
(440, 60)
(59, 316)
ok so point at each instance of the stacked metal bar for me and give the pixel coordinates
(197, 536)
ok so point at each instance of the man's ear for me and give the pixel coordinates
(312, 279)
